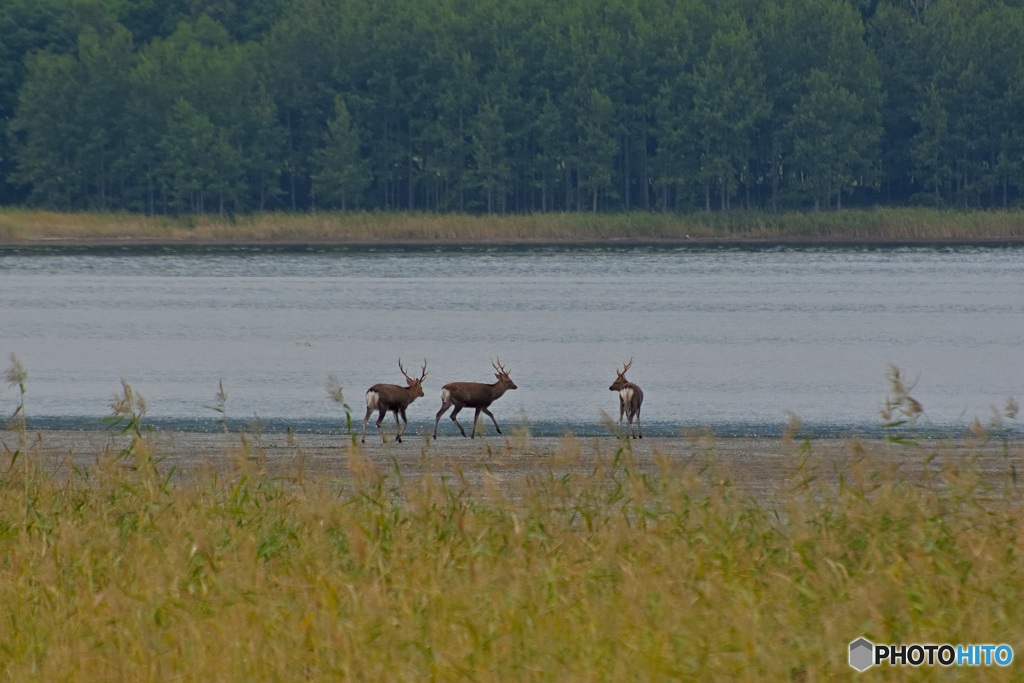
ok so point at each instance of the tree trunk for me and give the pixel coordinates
(775, 173)
(462, 166)
(386, 184)
(646, 192)
(99, 186)
(291, 167)
(412, 186)
(626, 169)
(568, 187)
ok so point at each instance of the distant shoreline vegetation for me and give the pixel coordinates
(529, 107)
(25, 227)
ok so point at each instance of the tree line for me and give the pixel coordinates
(495, 106)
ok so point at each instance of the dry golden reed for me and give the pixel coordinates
(120, 572)
(19, 226)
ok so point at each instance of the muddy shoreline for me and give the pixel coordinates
(762, 468)
(739, 243)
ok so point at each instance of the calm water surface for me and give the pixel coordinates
(726, 338)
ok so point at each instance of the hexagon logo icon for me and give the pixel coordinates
(861, 654)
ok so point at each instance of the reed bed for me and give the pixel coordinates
(120, 571)
(20, 226)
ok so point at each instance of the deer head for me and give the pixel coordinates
(502, 375)
(621, 380)
(415, 384)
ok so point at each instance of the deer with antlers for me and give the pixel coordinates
(395, 399)
(630, 398)
(474, 395)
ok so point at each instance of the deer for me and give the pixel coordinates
(395, 399)
(630, 398)
(474, 395)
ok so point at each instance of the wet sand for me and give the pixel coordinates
(760, 468)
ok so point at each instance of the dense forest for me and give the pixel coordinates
(510, 106)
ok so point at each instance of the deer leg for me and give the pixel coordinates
(380, 431)
(398, 427)
(476, 418)
(445, 405)
(369, 411)
(491, 415)
(622, 409)
(638, 427)
(454, 413)
(401, 428)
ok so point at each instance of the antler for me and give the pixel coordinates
(626, 366)
(422, 377)
(500, 368)
(403, 370)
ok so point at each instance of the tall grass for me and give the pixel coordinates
(116, 572)
(27, 226)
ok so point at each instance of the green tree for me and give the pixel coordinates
(834, 140)
(317, 50)
(597, 145)
(190, 149)
(549, 151)
(729, 101)
(447, 134)
(263, 149)
(796, 38)
(47, 131)
(105, 66)
(602, 104)
(487, 131)
(930, 151)
(28, 27)
(342, 174)
(226, 177)
(898, 39)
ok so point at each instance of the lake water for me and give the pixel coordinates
(726, 338)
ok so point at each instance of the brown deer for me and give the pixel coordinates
(393, 398)
(474, 395)
(630, 398)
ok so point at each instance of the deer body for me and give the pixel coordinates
(474, 395)
(630, 398)
(393, 398)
